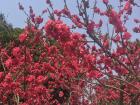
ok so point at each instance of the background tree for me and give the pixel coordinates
(7, 32)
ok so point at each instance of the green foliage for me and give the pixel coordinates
(7, 32)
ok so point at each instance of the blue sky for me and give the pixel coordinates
(17, 18)
(14, 15)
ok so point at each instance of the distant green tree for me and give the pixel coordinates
(7, 32)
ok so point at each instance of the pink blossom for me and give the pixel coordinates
(22, 37)
(61, 94)
(16, 51)
(8, 62)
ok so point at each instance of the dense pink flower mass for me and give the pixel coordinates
(56, 65)
(47, 72)
(57, 29)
